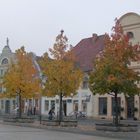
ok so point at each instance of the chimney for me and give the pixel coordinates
(94, 37)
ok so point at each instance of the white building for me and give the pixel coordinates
(5, 59)
(99, 106)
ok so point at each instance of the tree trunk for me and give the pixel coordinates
(60, 108)
(116, 110)
(20, 109)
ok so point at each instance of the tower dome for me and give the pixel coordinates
(6, 48)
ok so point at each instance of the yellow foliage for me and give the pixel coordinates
(21, 77)
(63, 77)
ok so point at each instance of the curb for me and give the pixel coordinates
(76, 130)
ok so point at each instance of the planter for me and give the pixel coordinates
(19, 120)
(69, 123)
(50, 122)
(121, 109)
(135, 119)
(65, 123)
(135, 109)
(121, 118)
(119, 128)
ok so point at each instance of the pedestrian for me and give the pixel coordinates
(51, 114)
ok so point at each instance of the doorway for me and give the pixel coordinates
(7, 107)
(130, 107)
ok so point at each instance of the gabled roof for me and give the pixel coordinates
(86, 51)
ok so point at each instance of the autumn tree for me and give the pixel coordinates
(21, 78)
(112, 73)
(63, 77)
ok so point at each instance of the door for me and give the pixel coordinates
(130, 107)
(7, 107)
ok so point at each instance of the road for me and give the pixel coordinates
(8, 132)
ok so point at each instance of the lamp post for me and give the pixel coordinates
(40, 110)
(57, 107)
(43, 81)
(42, 78)
(18, 96)
(17, 105)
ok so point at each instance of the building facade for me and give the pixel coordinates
(130, 106)
(10, 105)
(97, 106)
(85, 51)
(6, 57)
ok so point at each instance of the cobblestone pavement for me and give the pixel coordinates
(87, 127)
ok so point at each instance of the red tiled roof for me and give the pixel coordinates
(86, 51)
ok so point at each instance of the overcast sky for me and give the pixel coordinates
(36, 23)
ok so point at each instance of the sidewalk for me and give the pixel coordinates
(81, 129)
(36, 124)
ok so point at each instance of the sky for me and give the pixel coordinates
(35, 23)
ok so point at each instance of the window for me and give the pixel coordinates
(0, 89)
(36, 103)
(113, 105)
(52, 103)
(69, 100)
(84, 106)
(46, 105)
(2, 104)
(85, 83)
(4, 61)
(14, 104)
(75, 105)
(1, 72)
(102, 106)
(130, 35)
(30, 102)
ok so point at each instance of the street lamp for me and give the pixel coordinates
(40, 117)
(43, 81)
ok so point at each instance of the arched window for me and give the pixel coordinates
(4, 61)
(130, 35)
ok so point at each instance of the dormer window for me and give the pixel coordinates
(4, 61)
(85, 83)
(130, 35)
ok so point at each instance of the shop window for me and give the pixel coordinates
(102, 106)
